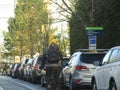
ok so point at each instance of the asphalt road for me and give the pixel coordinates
(8, 83)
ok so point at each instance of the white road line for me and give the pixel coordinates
(1, 88)
(24, 85)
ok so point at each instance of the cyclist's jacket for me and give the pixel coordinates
(46, 63)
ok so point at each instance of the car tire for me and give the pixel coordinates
(94, 86)
(113, 86)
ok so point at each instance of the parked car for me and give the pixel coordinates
(21, 68)
(107, 75)
(36, 72)
(63, 79)
(15, 70)
(80, 68)
(11, 67)
(28, 69)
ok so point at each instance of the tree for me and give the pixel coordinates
(106, 16)
(25, 29)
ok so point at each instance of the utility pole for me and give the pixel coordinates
(48, 28)
(92, 38)
(93, 13)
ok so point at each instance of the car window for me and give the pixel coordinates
(106, 58)
(118, 56)
(30, 61)
(91, 58)
(26, 61)
(113, 56)
(73, 59)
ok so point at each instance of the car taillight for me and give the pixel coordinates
(79, 81)
(35, 67)
(81, 68)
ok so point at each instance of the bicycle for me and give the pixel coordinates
(54, 80)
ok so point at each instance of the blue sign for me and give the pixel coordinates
(92, 42)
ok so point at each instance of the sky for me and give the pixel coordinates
(6, 11)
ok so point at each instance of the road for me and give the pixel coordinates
(8, 83)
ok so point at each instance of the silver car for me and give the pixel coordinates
(107, 75)
(81, 66)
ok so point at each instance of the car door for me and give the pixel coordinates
(99, 72)
(109, 68)
(117, 71)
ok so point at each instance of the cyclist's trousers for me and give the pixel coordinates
(56, 75)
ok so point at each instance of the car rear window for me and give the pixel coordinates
(91, 58)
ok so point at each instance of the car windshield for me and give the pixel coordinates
(91, 58)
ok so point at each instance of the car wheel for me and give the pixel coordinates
(113, 86)
(94, 86)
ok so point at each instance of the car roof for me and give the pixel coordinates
(116, 47)
(92, 51)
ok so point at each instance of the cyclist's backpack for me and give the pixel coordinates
(53, 55)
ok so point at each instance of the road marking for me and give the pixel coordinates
(24, 85)
(1, 88)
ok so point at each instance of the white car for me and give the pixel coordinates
(107, 75)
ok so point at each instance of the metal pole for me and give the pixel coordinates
(93, 37)
(93, 13)
(47, 32)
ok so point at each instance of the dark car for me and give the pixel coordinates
(21, 68)
(15, 70)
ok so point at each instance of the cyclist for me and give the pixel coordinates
(52, 57)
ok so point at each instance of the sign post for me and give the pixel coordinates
(92, 33)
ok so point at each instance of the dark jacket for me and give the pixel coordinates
(44, 60)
